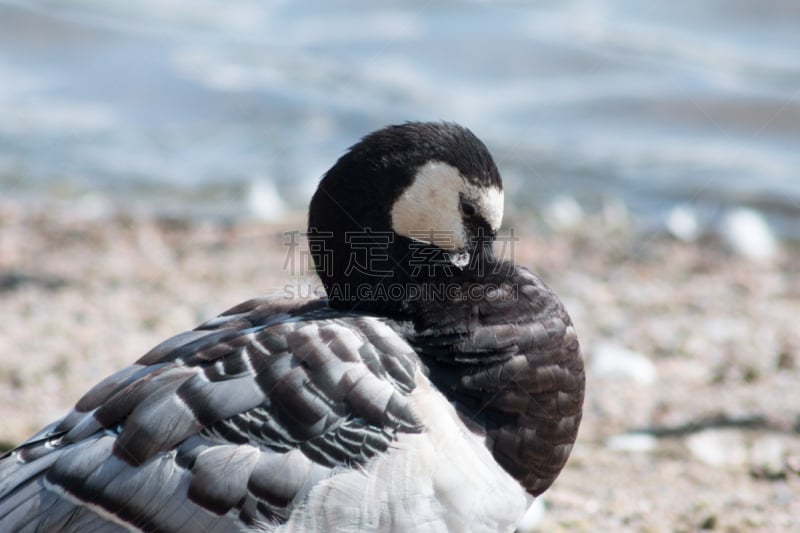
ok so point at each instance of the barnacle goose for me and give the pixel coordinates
(436, 388)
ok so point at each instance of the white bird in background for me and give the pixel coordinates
(436, 388)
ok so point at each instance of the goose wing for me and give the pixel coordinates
(227, 426)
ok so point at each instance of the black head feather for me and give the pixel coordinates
(356, 195)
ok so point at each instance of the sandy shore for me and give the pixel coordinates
(692, 419)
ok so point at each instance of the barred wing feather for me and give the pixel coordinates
(227, 426)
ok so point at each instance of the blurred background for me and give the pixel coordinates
(154, 153)
(212, 107)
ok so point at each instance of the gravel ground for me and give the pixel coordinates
(692, 418)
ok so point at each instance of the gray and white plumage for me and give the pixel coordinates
(339, 413)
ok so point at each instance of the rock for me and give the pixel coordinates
(613, 361)
(793, 463)
(709, 522)
(632, 442)
(768, 458)
(682, 223)
(718, 447)
(747, 233)
(615, 213)
(564, 212)
(264, 201)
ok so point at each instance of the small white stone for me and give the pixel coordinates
(747, 233)
(767, 456)
(615, 213)
(564, 212)
(632, 442)
(264, 201)
(613, 361)
(90, 207)
(718, 447)
(682, 223)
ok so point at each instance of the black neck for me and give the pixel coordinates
(506, 356)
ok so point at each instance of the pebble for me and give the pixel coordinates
(611, 360)
(681, 222)
(264, 201)
(632, 442)
(747, 233)
(718, 447)
(615, 213)
(564, 212)
(768, 458)
(91, 207)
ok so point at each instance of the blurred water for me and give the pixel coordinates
(184, 104)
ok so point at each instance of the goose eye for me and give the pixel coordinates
(468, 209)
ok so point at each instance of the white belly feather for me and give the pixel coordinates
(443, 479)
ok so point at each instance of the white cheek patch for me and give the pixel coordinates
(429, 210)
